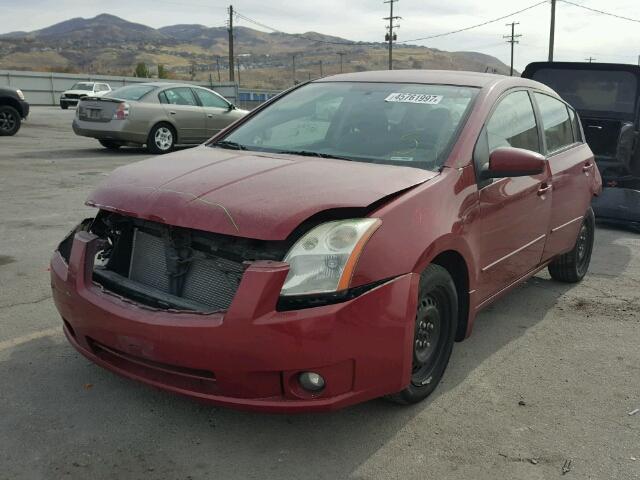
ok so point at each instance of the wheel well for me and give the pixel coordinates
(11, 102)
(455, 264)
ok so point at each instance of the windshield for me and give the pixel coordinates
(130, 92)
(400, 124)
(87, 87)
(595, 90)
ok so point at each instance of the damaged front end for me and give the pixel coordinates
(171, 268)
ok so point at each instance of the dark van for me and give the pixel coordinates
(606, 96)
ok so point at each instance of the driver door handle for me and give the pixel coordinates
(587, 167)
(172, 112)
(209, 115)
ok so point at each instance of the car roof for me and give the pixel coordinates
(442, 77)
(165, 84)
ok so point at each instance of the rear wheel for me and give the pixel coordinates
(434, 334)
(10, 121)
(110, 144)
(572, 266)
(162, 139)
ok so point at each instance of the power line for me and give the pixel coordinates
(476, 26)
(300, 35)
(602, 12)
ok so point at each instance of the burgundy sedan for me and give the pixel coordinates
(331, 246)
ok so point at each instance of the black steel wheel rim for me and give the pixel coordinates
(583, 247)
(7, 121)
(432, 320)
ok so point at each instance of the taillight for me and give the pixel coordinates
(122, 112)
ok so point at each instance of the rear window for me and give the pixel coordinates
(558, 130)
(130, 92)
(595, 90)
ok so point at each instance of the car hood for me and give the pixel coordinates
(248, 194)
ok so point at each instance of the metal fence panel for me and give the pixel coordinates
(41, 88)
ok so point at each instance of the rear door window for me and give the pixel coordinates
(557, 125)
(179, 96)
(513, 124)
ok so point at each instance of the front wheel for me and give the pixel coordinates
(162, 139)
(10, 121)
(572, 266)
(434, 334)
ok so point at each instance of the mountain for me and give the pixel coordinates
(111, 45)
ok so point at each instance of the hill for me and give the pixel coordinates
(111, 45)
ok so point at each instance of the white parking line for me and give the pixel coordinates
(14, 342)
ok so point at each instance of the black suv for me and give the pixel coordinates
(13, 109)
(607, 98)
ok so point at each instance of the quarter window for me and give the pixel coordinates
(210, 99)
(513, 124)
(577, 132)
(558, 131)
(178, 96)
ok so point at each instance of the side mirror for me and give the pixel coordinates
(513, 162)
(231, 107)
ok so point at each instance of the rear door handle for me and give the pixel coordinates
(544, 188)
(209, 115)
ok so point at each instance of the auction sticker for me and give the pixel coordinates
(414, 98)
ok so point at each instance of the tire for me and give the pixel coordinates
(10, 121)
(162, 139)
(64, 106)
(110, 144)
(434, 334)
(572, 266)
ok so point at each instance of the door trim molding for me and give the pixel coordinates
(560, 227)
(491, 265)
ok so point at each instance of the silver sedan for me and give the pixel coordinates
(158, 115)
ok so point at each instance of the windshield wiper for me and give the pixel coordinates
(307, 153)
(229, 145)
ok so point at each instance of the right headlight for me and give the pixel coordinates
(323, 260)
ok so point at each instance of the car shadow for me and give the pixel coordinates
(86, 422)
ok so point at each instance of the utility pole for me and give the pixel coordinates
(552, 32)
(321, 75)
(590, 59)
(230, 29)
(390, 37)
(512, 40)
(238, 62)
(293, 67)
(342, 55)
(218, 67)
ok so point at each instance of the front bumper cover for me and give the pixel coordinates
(248, 357)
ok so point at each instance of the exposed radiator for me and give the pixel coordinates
(208, 280)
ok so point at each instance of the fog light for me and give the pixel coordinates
(311, 381)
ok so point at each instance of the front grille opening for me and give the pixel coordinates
(170, 267)
(195, 380)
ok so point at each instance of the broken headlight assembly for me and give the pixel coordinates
(323, 260)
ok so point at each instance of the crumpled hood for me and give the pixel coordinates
(247, 194)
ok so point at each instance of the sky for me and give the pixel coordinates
(580, 34)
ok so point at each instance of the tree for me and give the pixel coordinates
(162, 71)
(142, 71)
